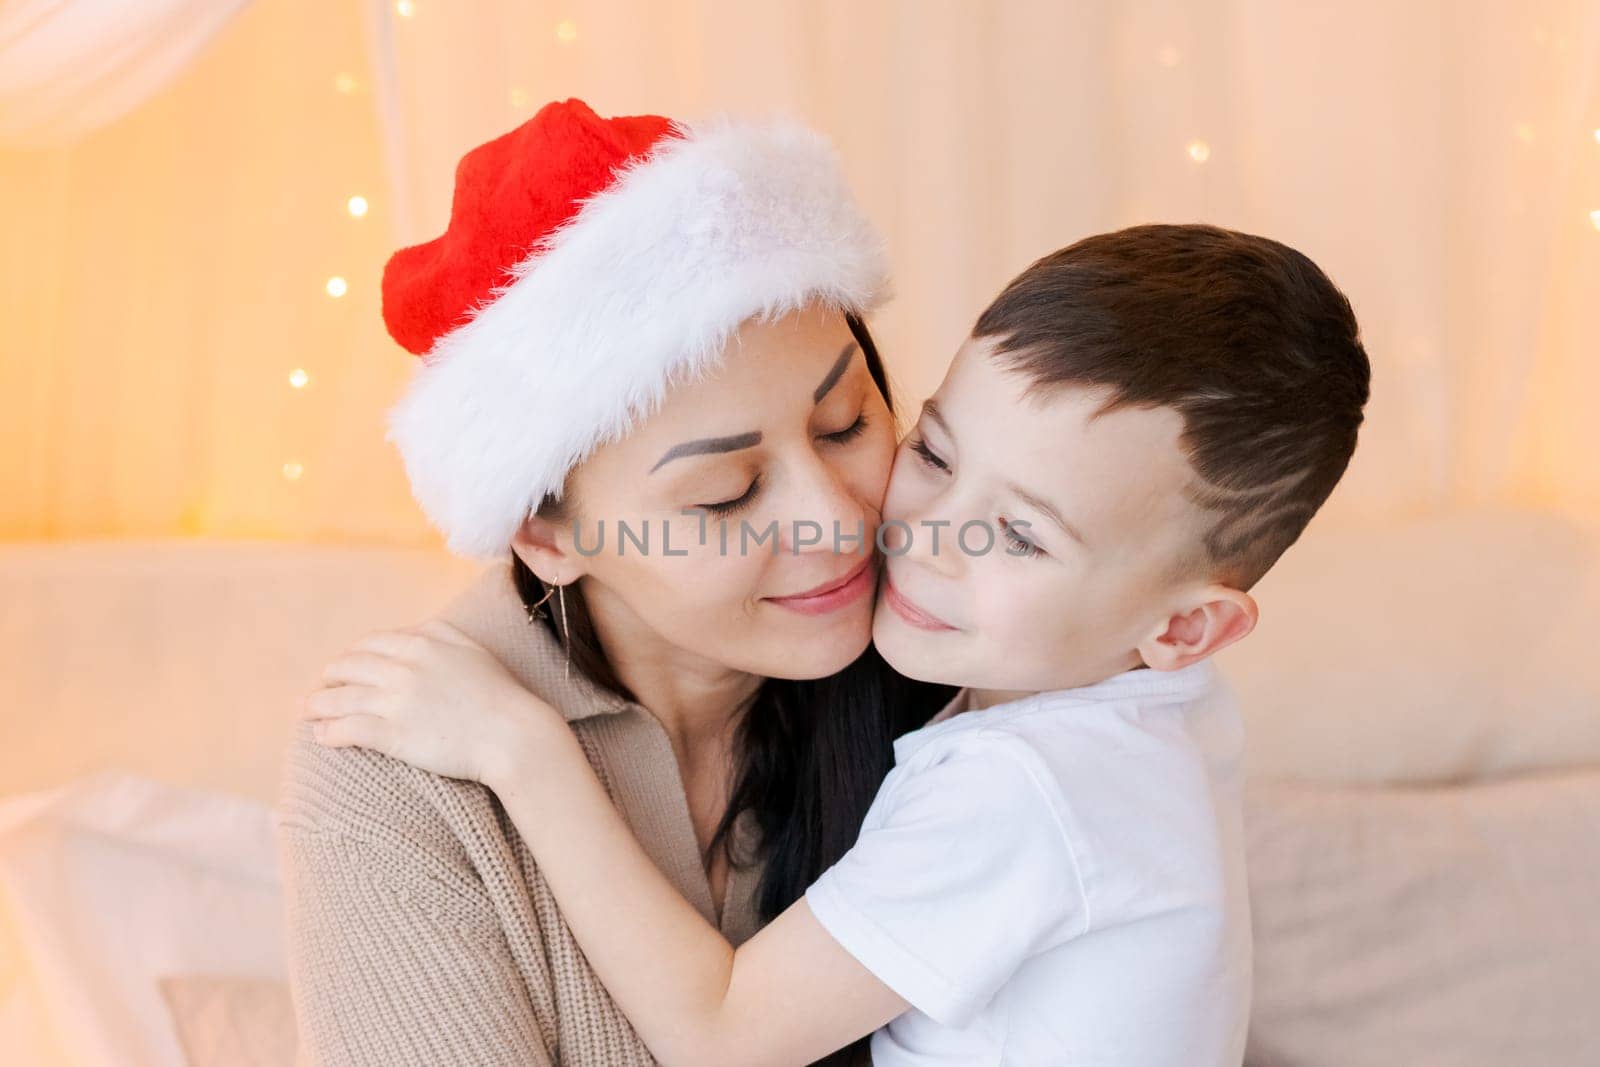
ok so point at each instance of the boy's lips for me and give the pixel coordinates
(908, 611)
(833, 594)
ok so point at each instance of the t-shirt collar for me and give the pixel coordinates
(1138, 683)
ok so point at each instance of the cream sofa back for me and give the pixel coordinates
(1437, 650)
(181, 660)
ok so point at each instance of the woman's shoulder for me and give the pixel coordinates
(360, 800)
(365, 794)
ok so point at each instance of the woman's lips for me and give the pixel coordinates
(909, 611)
(835, 594)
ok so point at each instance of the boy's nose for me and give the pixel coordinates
(926, 540)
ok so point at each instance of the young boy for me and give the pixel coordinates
(1053, 872)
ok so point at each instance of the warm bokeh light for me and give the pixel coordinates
(292, 471)
(1342, 175)
(298, 378)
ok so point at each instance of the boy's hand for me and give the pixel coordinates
(431, 696)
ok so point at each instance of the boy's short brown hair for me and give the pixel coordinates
(1245, 337)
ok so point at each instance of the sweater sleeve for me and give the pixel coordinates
(395, 952)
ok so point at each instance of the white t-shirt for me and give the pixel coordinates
(1059, 880)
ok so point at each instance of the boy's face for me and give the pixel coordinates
(1040, 609)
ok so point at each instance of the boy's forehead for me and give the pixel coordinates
(1127, 459)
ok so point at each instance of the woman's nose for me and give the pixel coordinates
(829, 513)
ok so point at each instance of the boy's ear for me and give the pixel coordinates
(1216, 617)
(546, 547)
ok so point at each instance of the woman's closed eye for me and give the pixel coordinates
(849, 433)
(743, 500)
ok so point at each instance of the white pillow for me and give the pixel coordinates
(113, 883)
(1455, 925)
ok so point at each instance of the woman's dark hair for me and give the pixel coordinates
(809, 754)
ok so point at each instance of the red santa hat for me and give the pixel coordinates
(589, 265)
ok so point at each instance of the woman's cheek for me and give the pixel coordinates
(864, 470)
(716, 582)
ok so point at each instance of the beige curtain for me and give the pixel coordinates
(70, 66)
(165, 278)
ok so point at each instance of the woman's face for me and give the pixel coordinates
(726, 522)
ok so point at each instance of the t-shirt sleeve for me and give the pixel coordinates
(963, 870)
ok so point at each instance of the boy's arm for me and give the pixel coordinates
(791, 994)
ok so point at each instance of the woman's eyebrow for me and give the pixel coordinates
(709, 444)
(749, 440)
(835, 373)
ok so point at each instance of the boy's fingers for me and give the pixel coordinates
(396, 644)
(337, 702)
(367, 731)
(357, 668)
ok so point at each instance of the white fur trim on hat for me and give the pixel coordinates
(639, 290)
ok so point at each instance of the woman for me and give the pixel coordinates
(628, 324)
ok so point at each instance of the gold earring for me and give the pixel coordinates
(533, 609)
(566, 638)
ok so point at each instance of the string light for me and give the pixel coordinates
(404, 8)
(345, 84)
(1199, 151)
(566, 31)
(292, 471)
(1525, 132)
(1597, 137)
(519, 97)
(1594, 217)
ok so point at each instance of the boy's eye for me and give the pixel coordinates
(920, 447)
(849, 433)
(724, 507)
(1020, 546)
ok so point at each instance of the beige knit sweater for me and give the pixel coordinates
(419, 928)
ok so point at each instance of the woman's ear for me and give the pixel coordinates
(545, 545)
